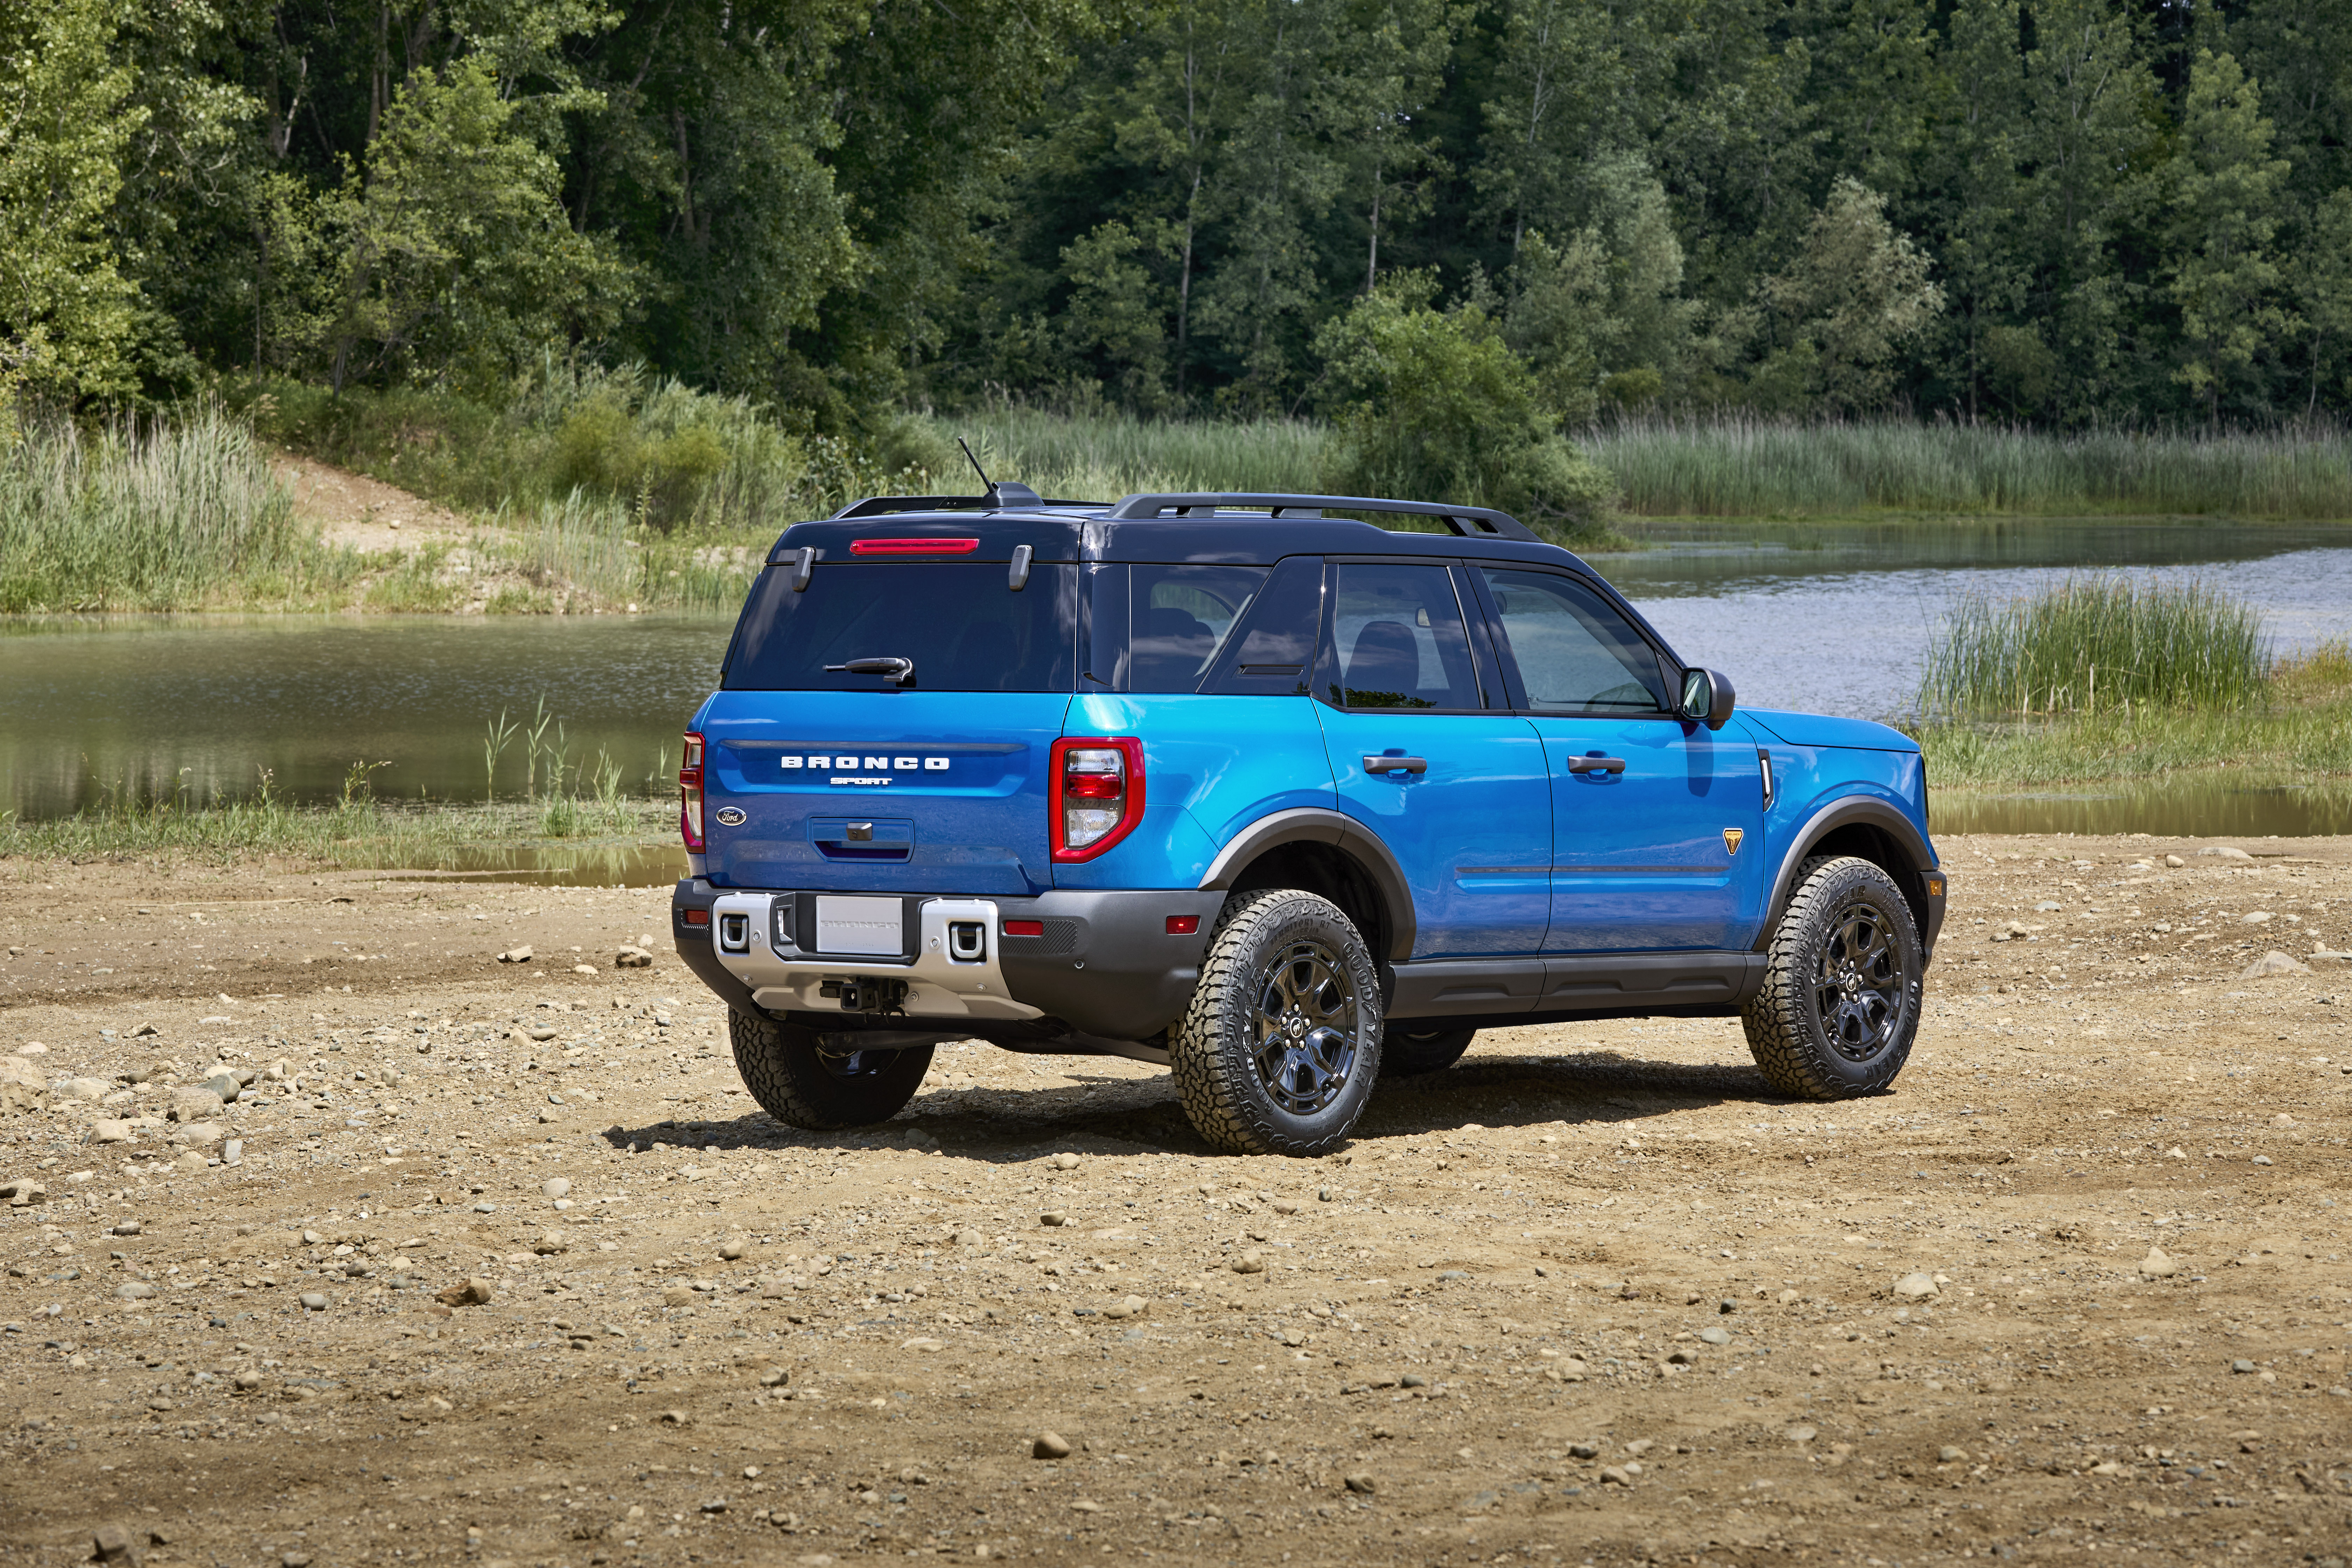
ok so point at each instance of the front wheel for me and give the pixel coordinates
(1279, 1050)
(800, 1084)
(1839, 1005)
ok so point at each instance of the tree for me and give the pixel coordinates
(2222, 216)
(1114, 316)
(2319, 281)
(1433, 403)
(1856, 293)
(457, 257)
(65, 307)
(1603, 316)
(2088, 134)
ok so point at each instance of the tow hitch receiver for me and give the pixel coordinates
(866, 996)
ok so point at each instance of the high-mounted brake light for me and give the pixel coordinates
(1096, 793)
(690, 788)
(913, 546)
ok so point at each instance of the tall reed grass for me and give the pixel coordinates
(2094, 642)
(168, 513)
(1103, 456)
(1729, 466)
(1760, 468)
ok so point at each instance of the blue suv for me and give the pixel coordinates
(1248, 787)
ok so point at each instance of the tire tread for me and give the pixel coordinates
(1778, 1030)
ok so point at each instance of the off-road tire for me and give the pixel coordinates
(1407, 1055)
(1846, 922)
(1266, 945)
(802, 1086)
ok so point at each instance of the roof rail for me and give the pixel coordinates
(1006, 496)
(1470, 521)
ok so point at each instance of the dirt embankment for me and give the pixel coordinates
(2078, 1284)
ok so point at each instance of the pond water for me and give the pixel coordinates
(153, 705)
(1832, 619)
(1839, 619)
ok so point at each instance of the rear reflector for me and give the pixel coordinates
(1024, 927)
(1183, 925)
(913, 546)
(697, 917)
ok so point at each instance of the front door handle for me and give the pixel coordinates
(1594, 764)
(1402, 765)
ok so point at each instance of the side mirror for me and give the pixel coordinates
(1707, 698)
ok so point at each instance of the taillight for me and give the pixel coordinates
(689, 787)
(1097, 794)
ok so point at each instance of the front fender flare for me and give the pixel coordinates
(1313, 824)
(1921, 881)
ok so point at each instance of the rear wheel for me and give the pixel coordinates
(1839, 1005)
(1406, 1055)
(1278, 1052)
(802, 1084)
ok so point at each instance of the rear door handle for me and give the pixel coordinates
(1402, 765)
(1594, 764)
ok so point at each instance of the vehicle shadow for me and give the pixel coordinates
(1002, 1126)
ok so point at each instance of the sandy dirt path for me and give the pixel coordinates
(2077, 1286)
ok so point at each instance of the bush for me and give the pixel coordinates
(1433, 405)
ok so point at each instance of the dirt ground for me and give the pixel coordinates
(364, 513)
(1593, 1296)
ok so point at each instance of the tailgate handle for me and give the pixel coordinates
(1392, 764)
(1017, 578)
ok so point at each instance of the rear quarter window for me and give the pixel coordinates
(959, 623)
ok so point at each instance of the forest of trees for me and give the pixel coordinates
(2061, 212)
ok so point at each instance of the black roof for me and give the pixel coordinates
(1224, 529)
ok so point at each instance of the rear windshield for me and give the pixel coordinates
(964, 629)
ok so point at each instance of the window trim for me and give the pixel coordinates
(1327, 650)
(1508, 659)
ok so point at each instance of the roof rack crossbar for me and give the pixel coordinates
(1474, 522)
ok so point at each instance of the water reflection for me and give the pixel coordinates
(161, 704)
(2183, 808)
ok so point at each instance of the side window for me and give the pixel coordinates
(1397, 641)
(1180, 617)
(1575, 653)
(1270, 652)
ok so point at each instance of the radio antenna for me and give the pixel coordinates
(985, 482)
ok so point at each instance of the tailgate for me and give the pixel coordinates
(914, 792)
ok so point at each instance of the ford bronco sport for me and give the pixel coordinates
(1279, 799)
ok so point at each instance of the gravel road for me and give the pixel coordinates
(2078, 1284)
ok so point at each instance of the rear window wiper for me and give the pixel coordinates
(889, 667)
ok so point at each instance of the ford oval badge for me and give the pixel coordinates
(730, 816)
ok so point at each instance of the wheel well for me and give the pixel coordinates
(1878, 847)
(1327, 873)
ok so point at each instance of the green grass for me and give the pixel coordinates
(667, 456)
(1740, 467)
(176, 513)
(2097, 641)
(1757, 467)
(2297, 728)
(1102, 457)
(359, 832)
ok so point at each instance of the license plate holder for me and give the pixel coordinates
(861, 927)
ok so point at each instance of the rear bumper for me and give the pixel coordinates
(1106, 963)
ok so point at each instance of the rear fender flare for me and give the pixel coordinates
(1312, 824)
(1915, 860)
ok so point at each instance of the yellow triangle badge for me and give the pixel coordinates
(1731, 837)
